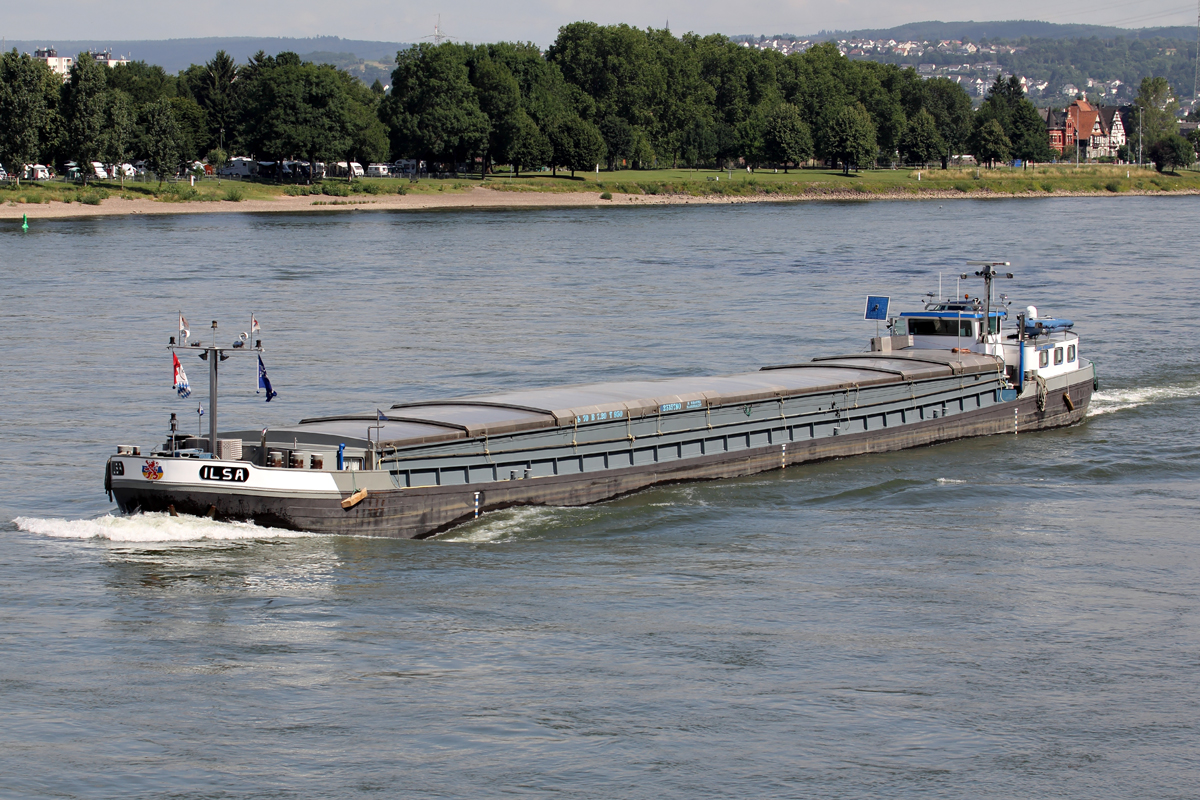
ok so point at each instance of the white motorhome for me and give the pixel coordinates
(37, 172)
(341, 170)
(378, 171)
(239, 167)
(99, 171)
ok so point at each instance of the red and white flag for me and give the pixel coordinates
(254, 325)
(181, 381)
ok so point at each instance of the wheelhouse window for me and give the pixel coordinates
(994, 325)
(1071, 353)
(1058, 356)
(940, 326)
(1043, 358)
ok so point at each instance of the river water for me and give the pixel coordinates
(1007, 617)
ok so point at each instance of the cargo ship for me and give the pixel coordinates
(954, 369)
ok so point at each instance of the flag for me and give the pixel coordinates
(200, 409)
(181, 381)
(382, 417)
(254, 325)
(182, 322)
(264, 383)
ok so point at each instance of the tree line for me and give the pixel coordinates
(613, 95)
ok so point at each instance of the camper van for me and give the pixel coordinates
(37, 172)
(377, 171)
(341, 170)
(239, 167)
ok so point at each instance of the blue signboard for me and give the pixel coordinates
(876, 307)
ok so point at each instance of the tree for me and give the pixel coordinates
(1029, 136)
(119, 131)
(951, 109)
(852, 138)
(216, 92)
(83, 107)
(500, 100)
(1171, 152)
(921, 142)
(161, 140)
(618, 139)
(193, 128)
(529, 149)
(433, 111)
(989, 144)
(787, 137)
(576, 144)
(25, 110)
(1157, 107)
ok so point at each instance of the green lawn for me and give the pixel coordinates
(699, 183)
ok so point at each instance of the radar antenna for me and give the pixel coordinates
(989, 274)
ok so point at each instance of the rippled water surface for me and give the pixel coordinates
(1006, 617)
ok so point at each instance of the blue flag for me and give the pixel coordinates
(264, 383)
(382, 417)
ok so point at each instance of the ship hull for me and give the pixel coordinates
(405, 511)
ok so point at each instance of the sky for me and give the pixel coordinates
(534, 20)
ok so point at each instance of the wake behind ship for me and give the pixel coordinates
(950, 371)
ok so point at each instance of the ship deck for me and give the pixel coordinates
(503, 413)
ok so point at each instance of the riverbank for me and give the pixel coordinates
(661, 187)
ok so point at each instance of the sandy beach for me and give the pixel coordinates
(480, 197)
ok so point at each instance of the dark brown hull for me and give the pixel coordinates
(425, 511)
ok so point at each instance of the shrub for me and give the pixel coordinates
(296, 191)
(374, 188)
(335, 189)
(1113, 186)
(606, 195)
(234, 194)
(178, 193)
(401, 189)
(93, 198)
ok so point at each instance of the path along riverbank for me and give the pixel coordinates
(480, 197)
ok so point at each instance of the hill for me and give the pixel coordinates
(1009, 29)
(174, 55)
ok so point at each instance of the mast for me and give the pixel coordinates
(214, 355)
(989, 274)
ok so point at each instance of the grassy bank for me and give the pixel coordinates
(871, 183)
(1040, 180)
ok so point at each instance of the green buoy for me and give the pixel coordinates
(24, 222)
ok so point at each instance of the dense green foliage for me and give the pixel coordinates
(612, 95)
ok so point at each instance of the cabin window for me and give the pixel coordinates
(1043, 358)
(1058, 356)
(994, 325)
(939, 326)
(1070, 353)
